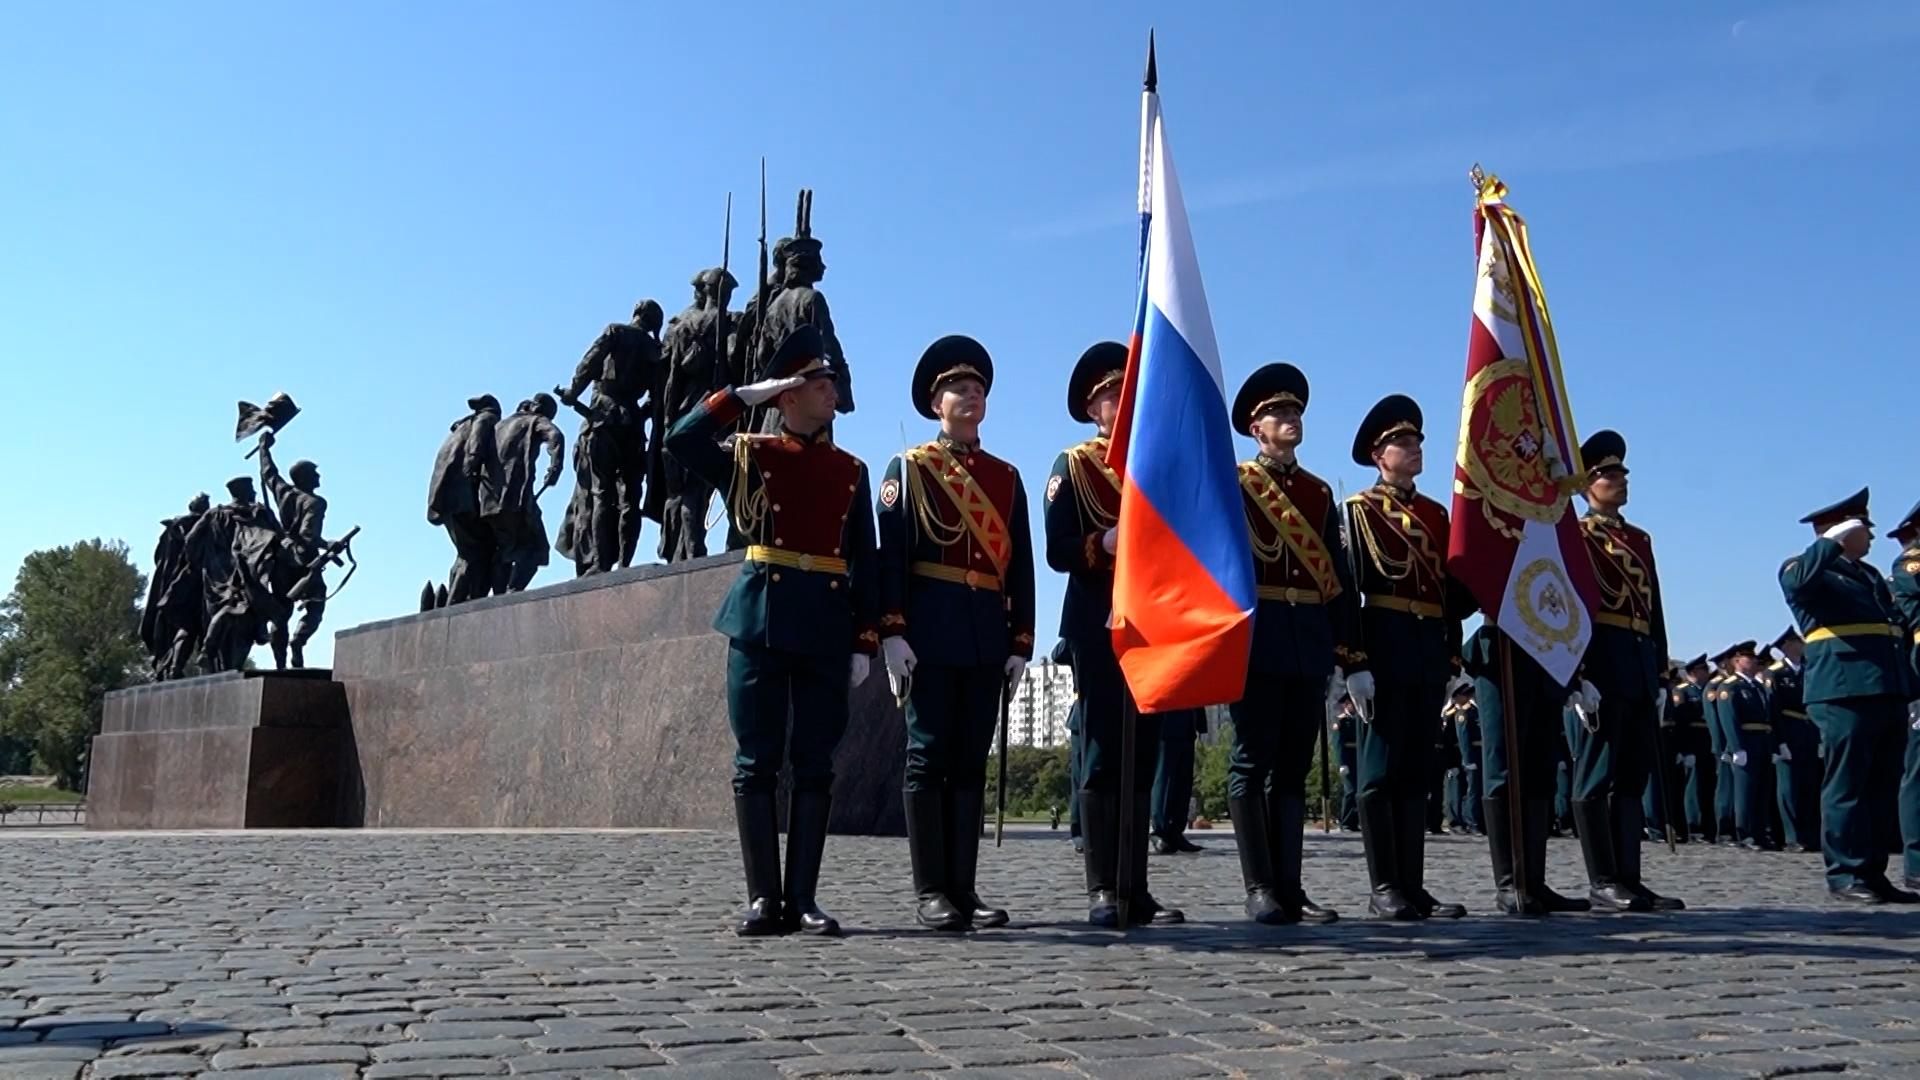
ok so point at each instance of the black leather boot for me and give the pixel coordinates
(759, 826)
(1144, 910)
(1536, 817)
(963, 855)
(1378, 836)
(1500, 849)
(927, 848)
(1100, 828)
(1604, 888)
(1628, 816)
(1410, 817)
(1250, 836)
(807, 815)
(1287, 823)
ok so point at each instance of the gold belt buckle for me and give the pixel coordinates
(806, 562)
(973, 579)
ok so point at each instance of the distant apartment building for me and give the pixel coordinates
(1037, 716)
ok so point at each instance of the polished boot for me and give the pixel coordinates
(1536, 815)
(807, 815)
(1628, 815)
(1251, 837)
(1500, 848)
(1378, 837)
(1100, 829)
(964, 805)
(759, 825)
(1604, 888)
(1411, 818)
(927, 848)
(1287, 824)
(1893, 894)
(1144, 910)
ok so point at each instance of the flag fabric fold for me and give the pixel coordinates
(1183, 594)
(1516, 542)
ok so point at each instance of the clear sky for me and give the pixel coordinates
(384, 209)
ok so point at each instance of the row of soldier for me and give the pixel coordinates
(243, 573)
(943, 592)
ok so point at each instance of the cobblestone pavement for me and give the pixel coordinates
(317, 955)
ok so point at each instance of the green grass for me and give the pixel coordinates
(22, 795)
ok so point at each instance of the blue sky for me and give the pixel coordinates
(383, 209)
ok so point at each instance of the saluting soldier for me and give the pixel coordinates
(1796, 758)
(1614, 754)
(1744, 713)
(1906, 599)
(956, 622)
(1304, 623)
(1409, 645)
(1693, 748)
(800, 618)
(1857, 685)
(1083, 510)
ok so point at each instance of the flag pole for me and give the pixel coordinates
(1509, 724)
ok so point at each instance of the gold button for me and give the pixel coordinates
(973, 576)
(806, 562)
(836, 551)
(776, 575)
(776, 508)
(765, 475)
(777, 542)
(853, 487)
(834, 584)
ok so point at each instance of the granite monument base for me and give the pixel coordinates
(231, 751)
(598, 702)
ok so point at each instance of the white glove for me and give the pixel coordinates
(1843, 529)
(1111, 540)
(857, 669)
(1343, 770)
(1660, 707)
(1586, 697)
(1473, 768)
(899, 656)
(1683, 759)
(1739, 757)
(1015, 665)
(1360, 687)
(766, 390)
(1785, 754)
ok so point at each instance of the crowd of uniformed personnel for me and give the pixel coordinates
(1353, 594)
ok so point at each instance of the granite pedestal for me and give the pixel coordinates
(229, 751)
(598, 702)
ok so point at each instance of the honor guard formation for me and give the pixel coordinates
(1804, 742)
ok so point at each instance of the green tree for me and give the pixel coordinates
(69, 633)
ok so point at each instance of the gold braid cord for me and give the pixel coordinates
(749, 508)
(925, 512)
(1086, 465)
(1630, 568)
(1411, 532)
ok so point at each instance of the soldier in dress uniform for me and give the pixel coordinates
(1305, 623)
(1858, 681)
(801, 617)
(1905, 585)
(1082, 510)
(1444, 781)
(1796, 758)
(956, 622)
(1615, 751)
(1173, 781)
(1744, 715)
(1693, 748)
(1663, 791)
(1466, 727)
(1063, 656)
(1563, 772)
(1724, 831)
(1408, 648)
(1346, 731)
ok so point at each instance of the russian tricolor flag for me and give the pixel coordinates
(1183, 594)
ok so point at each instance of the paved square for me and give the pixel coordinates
(319, 955)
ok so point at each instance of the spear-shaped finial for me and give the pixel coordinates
(1153, 74)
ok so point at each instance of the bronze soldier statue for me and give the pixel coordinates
(797, 303)
(303, 514)
(174, 617)
(512, 511)
(240, 553)
(622, 366)
(468, 464)
(695, 359)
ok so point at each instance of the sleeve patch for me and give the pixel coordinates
(1053, 488)
(1913, 567)
(889, 492)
